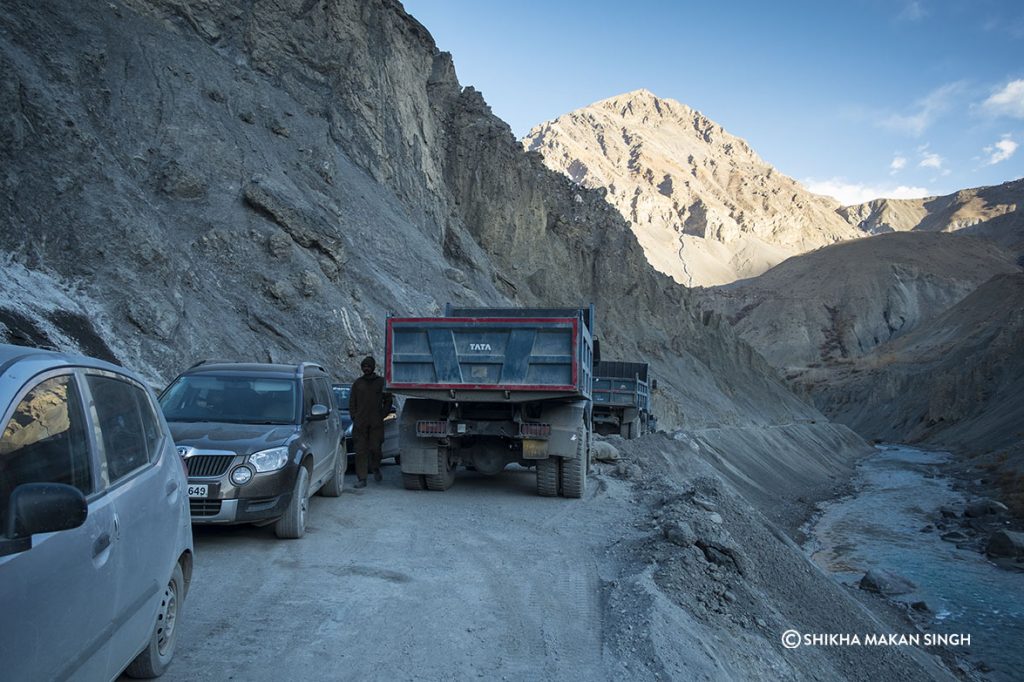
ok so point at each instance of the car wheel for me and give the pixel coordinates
(336, 484)
(155, 658)
(293, 524)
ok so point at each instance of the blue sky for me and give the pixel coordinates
(856, 98)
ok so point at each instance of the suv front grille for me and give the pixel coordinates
(207, 466)
(204, 507)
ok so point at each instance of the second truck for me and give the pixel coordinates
(622, 399)
(488, 387)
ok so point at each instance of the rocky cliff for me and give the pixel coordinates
(266, 181)
(705, 207)
(956, 381)
(990, 212)
(841, 302)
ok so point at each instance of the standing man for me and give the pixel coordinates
(368, 404)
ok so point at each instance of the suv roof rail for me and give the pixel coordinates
(210, 361)
(304, 365)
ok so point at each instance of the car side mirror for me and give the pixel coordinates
(41, 508)
(319, 412)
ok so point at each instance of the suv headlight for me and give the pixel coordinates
(269, 460)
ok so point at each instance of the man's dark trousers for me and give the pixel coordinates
(368, 439)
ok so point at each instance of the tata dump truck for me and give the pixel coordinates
(488, 387)
(622, 399)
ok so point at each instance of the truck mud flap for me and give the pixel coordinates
(419, 460)
(564, 418)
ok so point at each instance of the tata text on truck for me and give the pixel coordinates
(492, 386)
(622, 399)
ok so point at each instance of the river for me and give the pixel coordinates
(899, 490)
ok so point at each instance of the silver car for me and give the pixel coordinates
(96, 544)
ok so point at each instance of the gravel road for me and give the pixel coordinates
(662, 571)
(485, 580)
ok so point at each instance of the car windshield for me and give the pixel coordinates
(341, 396)
(235, 400)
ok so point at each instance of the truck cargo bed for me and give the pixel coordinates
(508, 358)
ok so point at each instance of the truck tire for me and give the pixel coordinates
(547, 477)
(445, 476)
(413, 482)
(574, 469)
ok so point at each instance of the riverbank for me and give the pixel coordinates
(923, 541)
(711, 578)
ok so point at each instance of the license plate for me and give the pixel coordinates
(535, 449)
(198, 490)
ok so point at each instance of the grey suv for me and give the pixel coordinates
(258, 440)
(96, 546)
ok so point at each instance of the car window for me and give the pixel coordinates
(341, 396)
(45, 441)
(129, 440)
(231, 399)
(323, 392)
(308, 397)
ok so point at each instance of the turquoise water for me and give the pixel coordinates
(900, 490)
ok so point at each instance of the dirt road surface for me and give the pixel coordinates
(485, 580)
(663, 571)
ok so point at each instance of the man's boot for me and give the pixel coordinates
(377, 476)
(361, 483)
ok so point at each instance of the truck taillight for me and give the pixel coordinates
(431, 428)
(535, 430)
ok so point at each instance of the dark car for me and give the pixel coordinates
(258, 440)
(390, 445)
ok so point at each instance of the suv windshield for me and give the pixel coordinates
(235, 400)
(341, 396)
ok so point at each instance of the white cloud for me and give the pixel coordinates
(1007, 102)
(849, 193)
(913, 11)
(898, 163)
(927, 108)
(1001, 150)
(931, 160)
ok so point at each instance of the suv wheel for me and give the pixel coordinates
(293, 524)
(336, 483)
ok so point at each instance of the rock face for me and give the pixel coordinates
(843, 301)
(990, 212)
(191, 180)
(706, 209)
(957, 382)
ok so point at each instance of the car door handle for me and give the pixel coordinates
(171, 487)
(102, 542)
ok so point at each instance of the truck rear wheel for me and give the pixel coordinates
(445, 476)
(413, 482)
(574, 469)
(547, 477)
